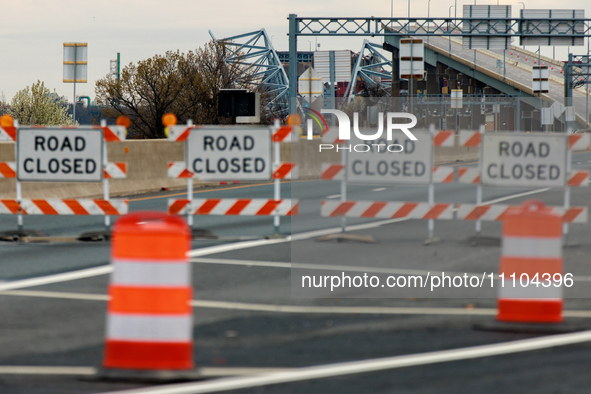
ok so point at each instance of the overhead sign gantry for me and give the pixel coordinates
(555, 26)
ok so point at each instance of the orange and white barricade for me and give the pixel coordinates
(7, 169)
(469, 175)
(56, 206)
(530, 289)
(178, 169)
(579, 141)
(233, 206)
(386, 209)
(498, 212)
(149, 315)
(444, 138)
(285, 171)
(115, 170)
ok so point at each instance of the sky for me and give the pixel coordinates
(32, 32)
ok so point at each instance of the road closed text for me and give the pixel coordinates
(524, 160)
(407, 161)
(60, 155)
(222, 153)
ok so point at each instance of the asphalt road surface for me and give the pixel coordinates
(253, 335)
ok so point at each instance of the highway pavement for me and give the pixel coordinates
(247, 313)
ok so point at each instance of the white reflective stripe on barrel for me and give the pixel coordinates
(531, 247)
(149, 328)
(508, 291)
(151, 274)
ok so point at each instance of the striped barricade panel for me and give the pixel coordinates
(55, 206)
(468, 175)
(386, 209)
(233, 206)
(179, 132)
(579, 141)
(8, 169)
(115, 170)
(444, 138)
(443, 175)
(578, 178)
(284, 134)
(113, 133)
(331, 136)
(333, 172)
(7, 133)
(285, 171)
(470, 138)
(178, 169)
(497, 212)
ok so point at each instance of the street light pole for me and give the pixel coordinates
(449, 15)
(523, 4)
(428, 15)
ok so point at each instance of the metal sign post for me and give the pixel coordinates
(75, 67)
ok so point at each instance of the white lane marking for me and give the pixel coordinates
(326, 267)
(516, 196)
(274, 307)
(210, 372)
(338, 310)
(333, 196)
(372, 365)
(63, 277)
(379, 189)
(35, 370)
(234, 246)
(57, 294)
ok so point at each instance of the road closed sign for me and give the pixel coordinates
(59, 155)
(229, 153)
(383, 161)
(524, 160)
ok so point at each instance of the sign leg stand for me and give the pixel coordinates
(566, 198)
(189, 185)
(19, 218)
(344, 158)
(478, 226)
(190, 198)
(431, 222)
(277, 182)
(105, 181)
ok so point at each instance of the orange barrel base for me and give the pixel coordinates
(538, 311)
(141, 355)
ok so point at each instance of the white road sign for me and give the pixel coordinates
(523, 160)
(229, 153)
(411, 58)
(310, 84)
(540, 82)
(457, 98)
(61, 155)
(75, 61)
(400, 160)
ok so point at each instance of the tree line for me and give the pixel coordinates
(186, 84)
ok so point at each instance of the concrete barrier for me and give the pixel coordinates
(147, 162)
